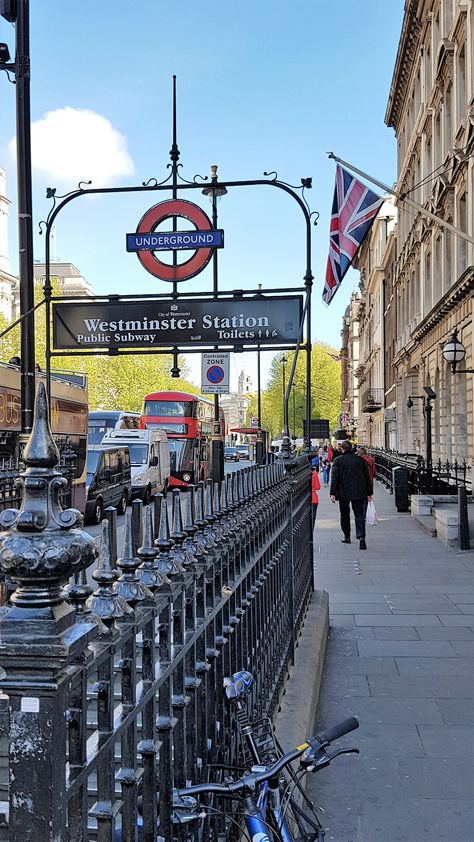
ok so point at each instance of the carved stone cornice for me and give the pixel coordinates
(406, 56)
(463, 288)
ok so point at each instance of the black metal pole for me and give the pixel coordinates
(429, 454)
(47, 291)
(25, 214)
(463, 519)
(294, 413)
(309, 285)
(259, 390)
(174, 155)
(285, 405)
(217, 447)
(259, 444)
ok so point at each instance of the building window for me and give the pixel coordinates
(428, 288)
(462, 244)
(448, 118)
(448, 260)
(437, 141)
(461, 84)
(438, 271)
(427, 170)
(427, 73)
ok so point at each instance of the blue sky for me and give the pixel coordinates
(261, 86)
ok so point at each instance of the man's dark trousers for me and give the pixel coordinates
(358, 507)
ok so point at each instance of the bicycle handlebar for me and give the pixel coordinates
(251, 780)
(338, 730)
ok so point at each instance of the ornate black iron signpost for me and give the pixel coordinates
(242, 320)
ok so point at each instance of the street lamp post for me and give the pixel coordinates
(284, 361)
(18, 14)
(454, 352)
(214, 192)
(294, 409)
(427, 409)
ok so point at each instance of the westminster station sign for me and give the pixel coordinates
(158, 322)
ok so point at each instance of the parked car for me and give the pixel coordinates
(149, 459)
(231, 454)
(108, 481)
(243, 450)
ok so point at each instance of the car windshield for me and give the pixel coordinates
(231, 450)
(92, 461)
(97, 430)
(138, 454)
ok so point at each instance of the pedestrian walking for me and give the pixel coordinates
(362, 451)
(315, 487)
(326, 467)
(351, 485)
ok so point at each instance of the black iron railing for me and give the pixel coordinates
(10, 467)
(423, 478)
(123, 681)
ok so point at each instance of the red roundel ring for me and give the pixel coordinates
(150, 221)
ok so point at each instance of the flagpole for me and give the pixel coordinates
(403, 198)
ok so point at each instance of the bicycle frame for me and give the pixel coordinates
(269, 800)
(260, 790)
(257, 826)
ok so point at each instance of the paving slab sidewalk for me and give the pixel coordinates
(400, 657)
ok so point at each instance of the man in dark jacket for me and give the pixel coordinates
(351, 483)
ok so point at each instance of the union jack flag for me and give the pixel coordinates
(354, 209)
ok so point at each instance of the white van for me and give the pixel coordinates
(149, 459)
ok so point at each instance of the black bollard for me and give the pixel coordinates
(463, 526)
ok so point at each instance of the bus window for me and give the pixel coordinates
(165, 409)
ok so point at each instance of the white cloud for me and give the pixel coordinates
(74, 144)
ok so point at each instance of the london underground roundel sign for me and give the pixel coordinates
(148, 224)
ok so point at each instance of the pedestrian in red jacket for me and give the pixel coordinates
(315, 486)
(362, 451)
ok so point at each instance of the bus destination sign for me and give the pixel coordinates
(157, 322)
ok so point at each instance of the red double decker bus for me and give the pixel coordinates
(188, 421)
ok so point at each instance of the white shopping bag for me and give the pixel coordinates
(371, 514)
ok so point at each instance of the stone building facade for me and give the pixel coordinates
(235, 406)
(69, 278)
(431, 108)
(375, 261)
(350, 418)
(428, 272)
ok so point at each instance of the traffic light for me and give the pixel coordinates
(8, 10)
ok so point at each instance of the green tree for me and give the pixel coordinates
(114, 382)
(325, 390)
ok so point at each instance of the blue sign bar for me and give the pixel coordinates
(175, 240)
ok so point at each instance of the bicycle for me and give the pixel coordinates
(269, 810)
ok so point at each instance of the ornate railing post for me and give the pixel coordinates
(40, 643)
